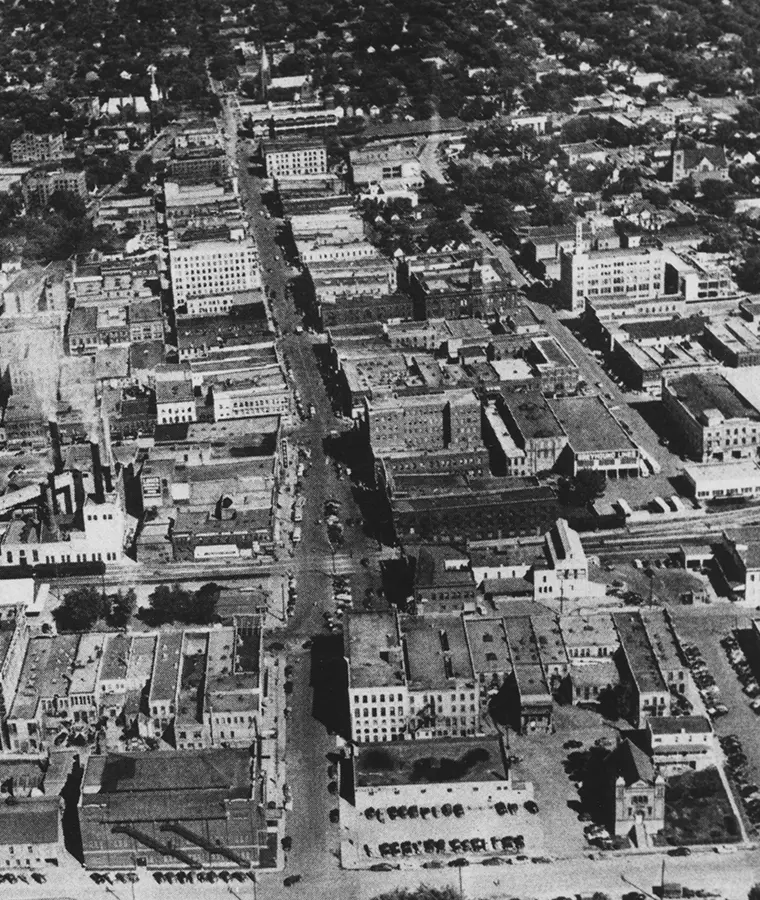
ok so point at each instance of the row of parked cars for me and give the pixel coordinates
(22, 878)
(743, 670)
(507, 844)
(210, 877)
(736, 766)
(343, 600)
(414, 812)
(703, 678)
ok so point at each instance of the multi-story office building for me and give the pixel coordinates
(378, 696)
(409, 422)
(218, 266)
(290, 156)
(38, 187)
(637, 273)
(30, 147)
(533, 430)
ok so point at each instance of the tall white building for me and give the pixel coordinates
(637, 273)
(208, 267)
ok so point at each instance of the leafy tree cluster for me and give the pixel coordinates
(105, 49)
(83, 607)
(415, 56)
(176, 604)
(57, 231)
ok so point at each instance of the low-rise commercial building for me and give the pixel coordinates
(183, 809)
(391, 163)
(682, 743)
(595, 438)
(640, 670)
(724, 481)
(443, 582)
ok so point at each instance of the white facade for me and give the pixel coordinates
(203, 268)
(378, 714)
(265, 397)
(637, 274)
(309, 159)
(681, 742)
(722, 480)
(102, 540)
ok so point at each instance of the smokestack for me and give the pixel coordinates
(97, 472)
(49, 512)
(53, 496)
(107, 479)
(55, 444)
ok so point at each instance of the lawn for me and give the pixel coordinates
(697, 810)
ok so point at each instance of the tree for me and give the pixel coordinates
(122, 608)
(144, 165)
(748, 273)
(754, 892)
(69, 205)
(176, 604)
(80, 610)
(590, 485)
(717, 197)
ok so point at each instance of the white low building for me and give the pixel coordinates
(681, 742)
(724, 480)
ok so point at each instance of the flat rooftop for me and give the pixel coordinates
(703, 392)
(116, 657)
(489, 649)
(673, 328)
(639, 652)
(662, 639)
(431, 762)
(533, 416)
(168, 660)
(436, 651)
(593, 630)
(589, 425)
(548, 634)
(679, 725)
(373, 647)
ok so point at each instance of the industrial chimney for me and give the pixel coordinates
(97, 472)
(55, 445)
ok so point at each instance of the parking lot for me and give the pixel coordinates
(740, 722)
(630, 580)
(542, 757)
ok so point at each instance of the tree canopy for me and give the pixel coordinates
(176, 604)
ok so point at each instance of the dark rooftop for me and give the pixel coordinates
(711, 391)
(431, 762)
(589, 425)
(30, 821)
(532, 415)
(639, 653)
